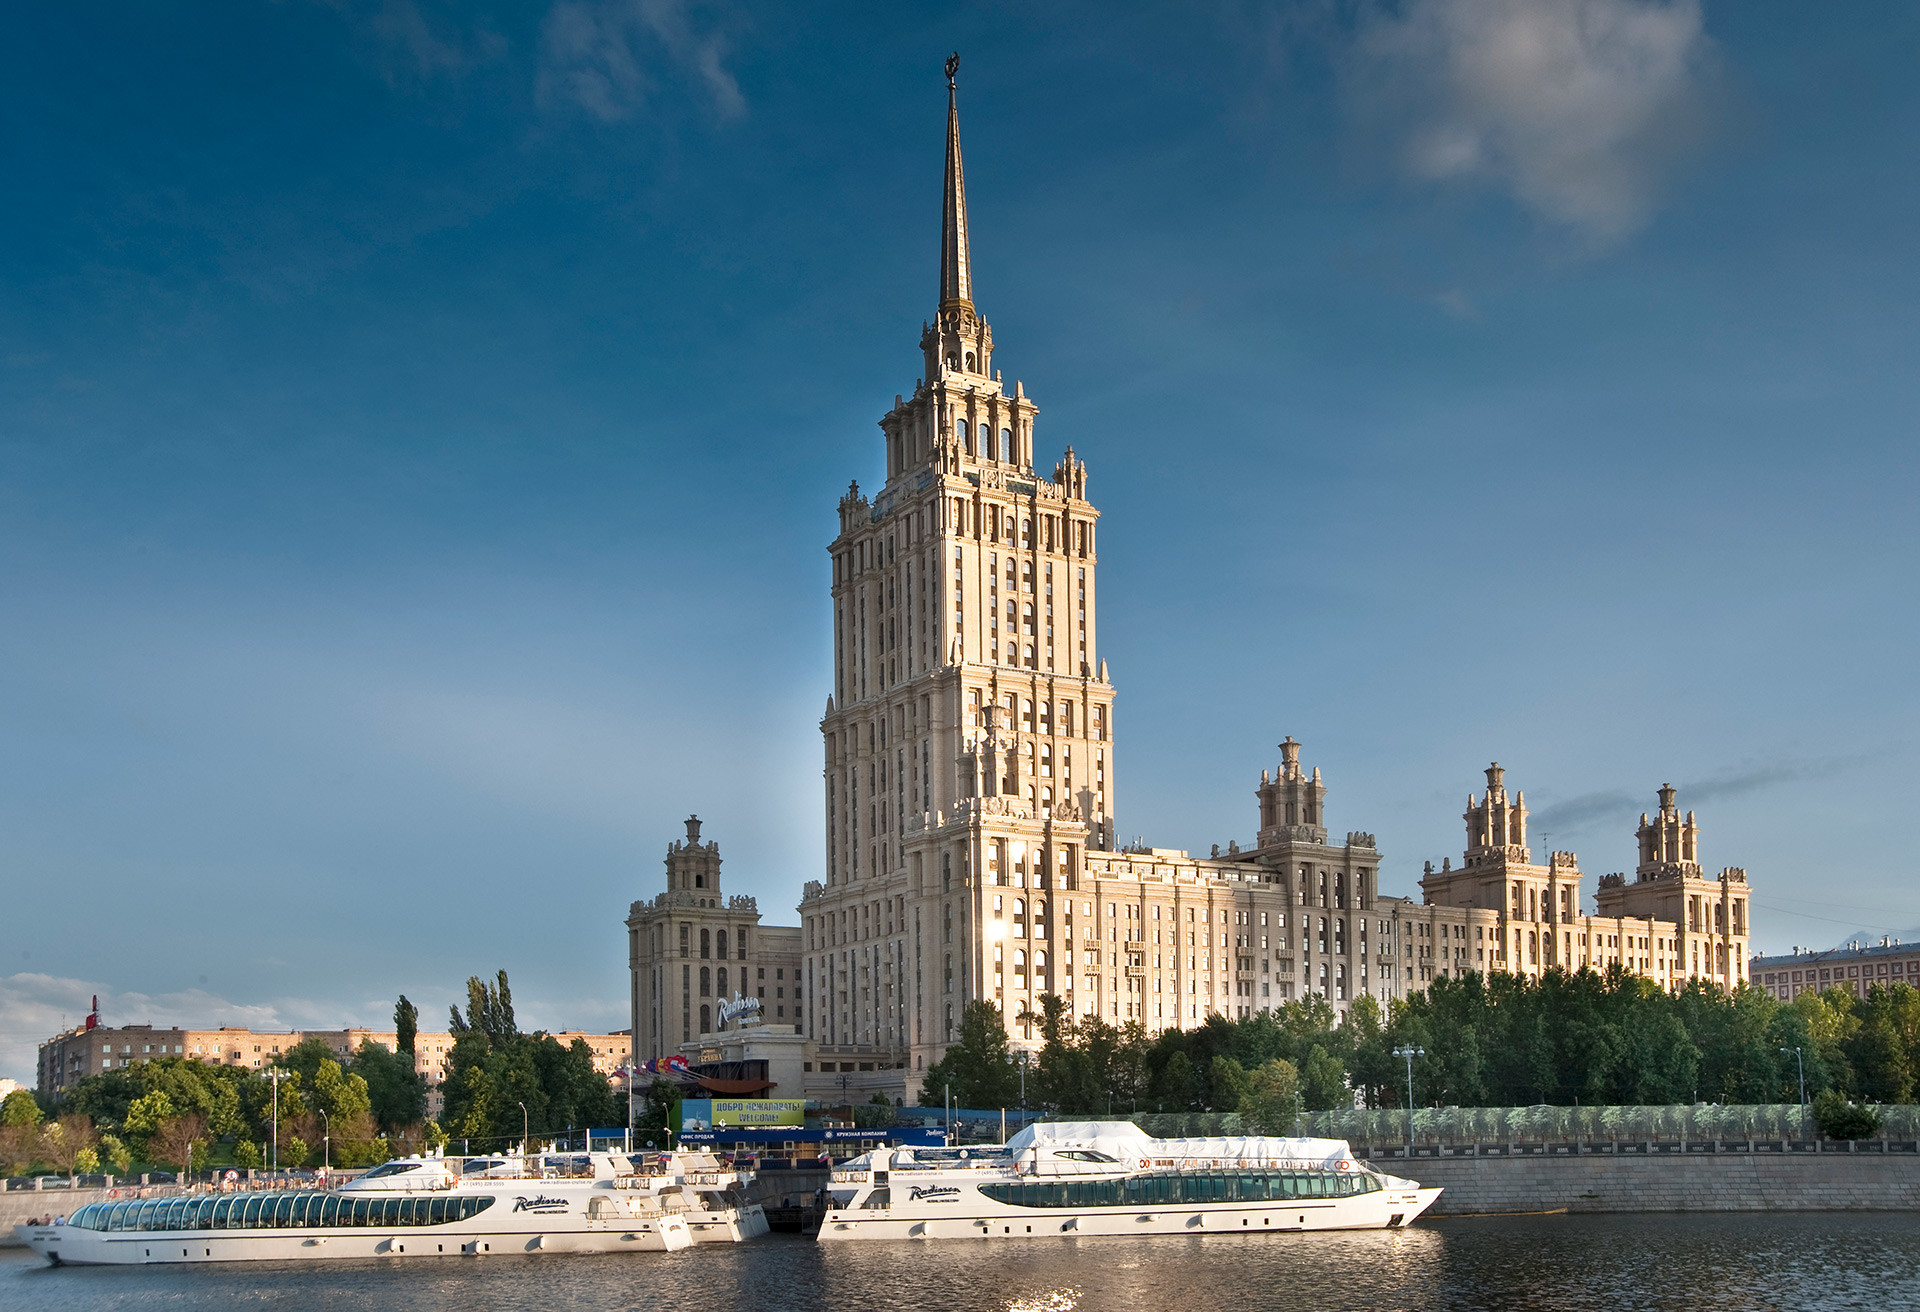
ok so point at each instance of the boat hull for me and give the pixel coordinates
(73, 1245)
(1385, 1209)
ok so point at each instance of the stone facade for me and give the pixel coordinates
(692, 948)
(968, 767)
(1728, 1181)
(1500, 911)
(1855, 967)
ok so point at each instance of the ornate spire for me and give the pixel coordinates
(956, 271)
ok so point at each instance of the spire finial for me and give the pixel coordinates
(956, 271)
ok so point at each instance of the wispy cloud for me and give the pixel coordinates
(608, 56)
(1577, 108)
(1572, 814)
(412, 45)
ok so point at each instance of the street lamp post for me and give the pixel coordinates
(326, 1141)
(274, 1074)
(525, 1135)
(1801, 1061)
(1409, 1052)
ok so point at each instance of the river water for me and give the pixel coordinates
(1541, 1264)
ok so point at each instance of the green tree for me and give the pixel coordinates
(1839, 1118)
(1270, 1097)
(118, 1156)
(406, 1025)
(975, 1066)
(1226, 1084)
(396, 1091)
(1323, 1081)
(20, 1109)
(1178, 1088)
(246, 1155)
(146, 1114)
(1880, 1051)
(349, 1126)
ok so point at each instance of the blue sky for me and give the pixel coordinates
(420, 427)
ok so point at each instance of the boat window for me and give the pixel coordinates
(879, 1199)
(391, 1168)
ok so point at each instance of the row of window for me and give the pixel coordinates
(1183, 1189)
(278, 1211)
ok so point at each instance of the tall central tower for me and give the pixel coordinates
(968, 736)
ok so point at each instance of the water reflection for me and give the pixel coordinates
(1695, 1263)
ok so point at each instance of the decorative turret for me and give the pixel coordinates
(1292, 803)
(1496, 827)
(1668, 844)
(693, 867)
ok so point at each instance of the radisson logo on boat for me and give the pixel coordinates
(539, 1203)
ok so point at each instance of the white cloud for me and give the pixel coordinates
(600, 54)
(1578, 108)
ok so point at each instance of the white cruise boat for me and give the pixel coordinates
(1110, 1178)
(708, 1193)
(428, 1207)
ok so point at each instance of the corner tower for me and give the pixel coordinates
(968, 732)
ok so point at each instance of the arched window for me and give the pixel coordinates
(722, 992)
(1039, 962)
(706, 1020)
(1019, 961)
(1006, 445)
(706, 982)
(986, 439)
(1046, 803)
(1019, 907)
(963, 433)
(1026, 537)
(706, 943)
(720, 945)
(970, 364)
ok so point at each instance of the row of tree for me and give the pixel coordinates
(502, 1083)
(1482, 1040)
(350, 1109)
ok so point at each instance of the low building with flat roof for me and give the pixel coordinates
(94, 1049)
(1855, 967)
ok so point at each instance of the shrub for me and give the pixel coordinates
(1841, 1119)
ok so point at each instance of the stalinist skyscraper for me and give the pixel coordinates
(968, 737)
(968, 781)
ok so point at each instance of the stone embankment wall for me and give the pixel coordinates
(1717, 1182)
(18, 1206)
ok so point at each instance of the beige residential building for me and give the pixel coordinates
(695, 956)
(93, 1050)
(1856, 968)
